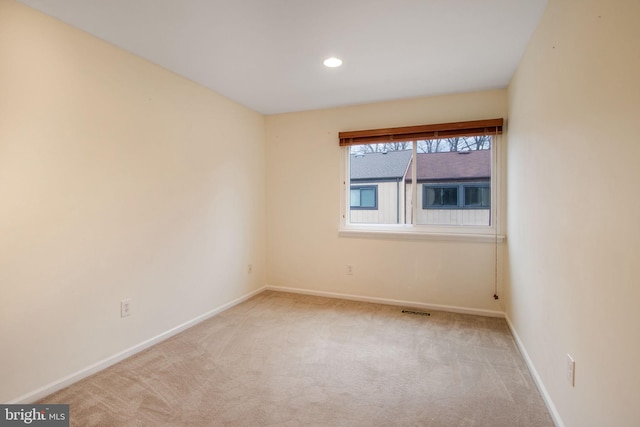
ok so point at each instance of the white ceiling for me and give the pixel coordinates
(267, 54)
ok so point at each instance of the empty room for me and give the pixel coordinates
(330, 213)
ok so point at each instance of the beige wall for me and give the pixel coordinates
(304, 250)
(118, 180)
(573, 234)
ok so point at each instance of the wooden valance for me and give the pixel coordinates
(412, 133)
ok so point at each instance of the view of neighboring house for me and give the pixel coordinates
(377, 195)
(454, 188)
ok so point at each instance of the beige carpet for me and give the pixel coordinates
(289, 360)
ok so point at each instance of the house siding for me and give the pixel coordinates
(445, 216)
(389, 205)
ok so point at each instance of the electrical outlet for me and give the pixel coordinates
(350, 269)
(125, 308)
(571, 370)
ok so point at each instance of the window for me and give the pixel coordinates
(364, 197)
(458, 196)
(376, 183)
(477, 196)
(422, 179)
(435, 197)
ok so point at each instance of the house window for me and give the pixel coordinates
(439, 197)
(422, 179)
(458, 196)
(477, 196)
(364, 197)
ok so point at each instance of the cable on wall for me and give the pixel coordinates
(495, 228)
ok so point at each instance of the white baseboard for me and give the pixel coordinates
(387, 301)
(536, 378)
(112, 360)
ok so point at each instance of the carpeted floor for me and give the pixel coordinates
(281, 359)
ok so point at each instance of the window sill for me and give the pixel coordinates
(410, 233)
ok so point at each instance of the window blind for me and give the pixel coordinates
(413, 133)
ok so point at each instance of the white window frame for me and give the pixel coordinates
(489, 233)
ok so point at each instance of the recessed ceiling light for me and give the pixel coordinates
(332, 62)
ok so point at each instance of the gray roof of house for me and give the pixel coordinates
(391, 165)
(431, 167)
